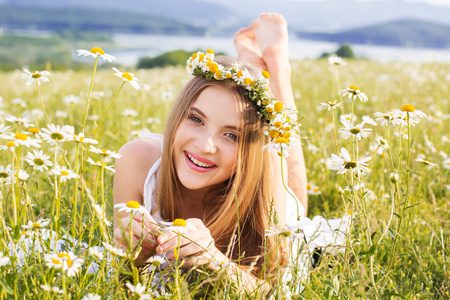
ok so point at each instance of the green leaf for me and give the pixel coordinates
(6, 286)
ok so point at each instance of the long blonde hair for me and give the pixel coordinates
(244, 199)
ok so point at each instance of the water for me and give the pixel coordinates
(133, 46)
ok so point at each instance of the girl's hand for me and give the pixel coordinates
(142, 226)
(196, 246)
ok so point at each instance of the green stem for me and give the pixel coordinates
(89, 95)
(42, 102)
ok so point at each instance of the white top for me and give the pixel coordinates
(152, 180)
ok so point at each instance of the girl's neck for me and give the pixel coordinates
(192, 202)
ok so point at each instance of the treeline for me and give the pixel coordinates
(81, 19)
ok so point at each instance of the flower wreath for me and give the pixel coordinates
(280, 128)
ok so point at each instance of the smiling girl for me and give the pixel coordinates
(210, 170)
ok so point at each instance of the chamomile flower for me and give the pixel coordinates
(178, 225)
(95, 252)
(385, 118)
(156, 261)
(96, 52)
(38, 224)
(79, 138)
(21, 175)
(129, 112)
(4, 260)
(130, 206)
(289, 232)
(394, 177)
(335, 60)
(67, 261)
(312, 189)
(353, 92)
(4, 131)
(331, 105)
(35, 77)
(138, 290)
(347, 118)
(5, 174)
(446, 163)
(382, 142)
(104, 152)
(63, 173)
(9, 146)
(91, 297)
(344, 162)
(127, 77)
(20, 121)
(55, 133)
(52, 289)
(369, 120)
(38, 160)
(358, 131)
(113, 250)
(412, 111)
(425, 162)
(100, 164)
(223, 264)
(21, 138)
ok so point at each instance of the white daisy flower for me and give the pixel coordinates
(394, 177)
(4, 260)
(52, 289)
(35, 77)
(79, 138)
(223, 264)
(347, 118)
(289, 232)
(20, 121)
(100, 164)
(105, 152)
(38, 224)
(138, 290)
(335, 60)
(9, 146)
(127, 77)
(412, 111)
(4, 131)
(21, 138)
(178, 225)
(38, 160)
(425, 162)
(113, 250)
(130, 206)
(369, 120)
(358, 131)
(91, 297)
(22, 175)
(312, 189)
(96, 252)
(71, 99)
(446, 163)
(344, 162)
(5, 174)
(55, 133)
(129, 112)
(353, 92)
(156, 261)
(96, 52)
(382, 142)
(331, 105)
(385, 118)
(63, 173)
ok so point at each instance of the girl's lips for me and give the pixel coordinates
(198, 168)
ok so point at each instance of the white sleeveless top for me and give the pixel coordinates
(151, 181)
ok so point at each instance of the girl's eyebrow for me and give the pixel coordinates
(195, 109)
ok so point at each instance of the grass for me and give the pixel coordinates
(398, 246)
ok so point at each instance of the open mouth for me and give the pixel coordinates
(199, 163)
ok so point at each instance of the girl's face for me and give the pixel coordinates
(206, 142)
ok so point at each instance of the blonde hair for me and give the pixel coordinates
(244, 199)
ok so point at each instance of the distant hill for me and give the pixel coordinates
(91, 19)
(404, 33)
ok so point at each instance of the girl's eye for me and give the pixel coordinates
(195, 119)
(232, 136)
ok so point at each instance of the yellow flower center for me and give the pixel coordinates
(36, 224)
(274, 133)
(408, 108)
(10, 144)
(350, 164)
(349, 212)
(269, 109)
(55, 261)
(286, 233)
(78, 138)
(97, 50)
(355, 130)
(36, 75)
(239, 73)
(282, 140)
(56, 136)
(21, 136)
(210, 51)
(247, 81)
(69, 263)
(266, 74)
(33, 130)
(200, 57)
(133, 204)
(218, 74)
(127, 76)
(156, 263)
(277, 124)
(265, 102)
(38, 162)
(63, 255)
(179, 222)
(3, 175)
(354, 87)
(228, 75)
(100, 163)
(213, 68)
(308, 186)
(278, 106)
(104, 150)
(194, 56)
(316, 190)
(64, 173)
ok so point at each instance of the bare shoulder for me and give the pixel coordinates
(144, 152)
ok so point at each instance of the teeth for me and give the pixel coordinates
(199, 163)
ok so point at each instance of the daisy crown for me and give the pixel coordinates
(272, 111)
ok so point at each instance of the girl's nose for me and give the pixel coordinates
(206, 144)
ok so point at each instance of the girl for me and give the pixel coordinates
(209, 172)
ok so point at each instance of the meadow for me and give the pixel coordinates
(398, 243)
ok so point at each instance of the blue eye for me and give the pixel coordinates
(195, 119)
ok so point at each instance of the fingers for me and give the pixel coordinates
(194, 248)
